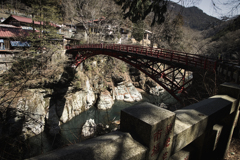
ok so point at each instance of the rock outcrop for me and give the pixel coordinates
(33, 113)
(32, 110)
(127, 92)
(105, 101)
(64, 107)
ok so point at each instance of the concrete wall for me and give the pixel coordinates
(199, 131)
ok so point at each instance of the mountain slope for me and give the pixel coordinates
(194, 17)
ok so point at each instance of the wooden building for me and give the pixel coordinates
(10, 35)
(20, 21)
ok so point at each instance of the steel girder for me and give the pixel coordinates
(170, 77)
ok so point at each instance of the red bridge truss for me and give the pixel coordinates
(168, 68)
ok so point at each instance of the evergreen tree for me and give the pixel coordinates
(138, 9)
(169, 34)
(138, 31)
(46, 12)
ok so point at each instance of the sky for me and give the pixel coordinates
(208, 8)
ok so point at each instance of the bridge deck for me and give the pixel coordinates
(185, 59)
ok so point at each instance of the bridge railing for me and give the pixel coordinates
(170, 55)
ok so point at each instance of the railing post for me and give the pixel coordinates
(205, 63)
(194, 59)
(215, 65)
(186, 59)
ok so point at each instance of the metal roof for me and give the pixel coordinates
(12, 32)
(24, 19)
(27, 20)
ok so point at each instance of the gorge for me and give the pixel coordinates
(52, 116)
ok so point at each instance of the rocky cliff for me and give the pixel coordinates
(74, 92)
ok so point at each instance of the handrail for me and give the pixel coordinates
(171, 55)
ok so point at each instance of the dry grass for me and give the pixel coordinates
(234, 150)
(3, 15)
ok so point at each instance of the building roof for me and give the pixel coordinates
(147, 31)
(12, 32)
(26, 20)
(23, 19)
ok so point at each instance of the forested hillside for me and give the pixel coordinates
(184, 29)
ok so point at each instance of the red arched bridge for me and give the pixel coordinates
(168, 68)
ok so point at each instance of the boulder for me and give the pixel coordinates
(89, 128)
(128, 98)
(155, 90)
(163, 105)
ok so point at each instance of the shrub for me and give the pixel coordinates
(78, 85)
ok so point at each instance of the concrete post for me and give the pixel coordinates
(232, 90)
(207, 143)
(184, 154)
(152, 126)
